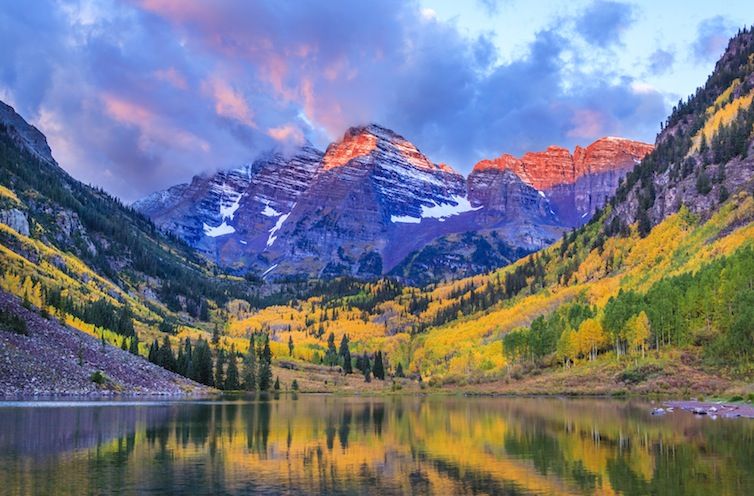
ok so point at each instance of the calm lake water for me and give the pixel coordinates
(402, 445)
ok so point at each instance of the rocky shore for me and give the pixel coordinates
(56, 360)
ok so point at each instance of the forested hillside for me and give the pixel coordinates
(660, 279)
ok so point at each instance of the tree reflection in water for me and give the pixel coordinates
(397, 445)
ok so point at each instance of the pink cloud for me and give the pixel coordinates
(228, 102)
(287, 133)
(152, 128)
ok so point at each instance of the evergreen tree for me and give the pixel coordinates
(294, 385)
(201, 363)
(703, 185)
(219, 365)
(345, 355)
(154, 349)
(366, 367)
(134, 348)
(125, 323)
(231, 376)
(165, 356)
(203, 311)
(399, 370)
(183, 364)
(290, 344)
(250, 367)
(216, 334)
(265, 365)
(331, 357)
(124, 344)
(276, 387)
(379, 367)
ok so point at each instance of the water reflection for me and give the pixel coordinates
(331, 445)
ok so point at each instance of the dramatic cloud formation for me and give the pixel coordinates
(140, 95)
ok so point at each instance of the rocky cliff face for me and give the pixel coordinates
(704, 154)
(24, 134)
(577, 184)
(373, 199)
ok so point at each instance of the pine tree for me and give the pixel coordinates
(250, 367)
(124, 344)
(125, 324)
(216, 334)
(345, 355)
(134, 348)
(276, 387)
(183, 364)
(703, 185)
(154, 349)
(201, 363)
(294, 385)
(265, 365)
(290, 343)
(399, 370)
(331, 357)
(219, 365)
(379, 368)
(366, 367)
(165, 356)
(231, 376)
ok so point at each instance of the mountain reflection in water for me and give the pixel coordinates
(347, 445)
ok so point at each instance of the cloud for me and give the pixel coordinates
(229, 102)
(603, 22)
(661, 61)
(140, 95)
(287, 133)
(712, 36)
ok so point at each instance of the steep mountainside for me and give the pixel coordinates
(231, 215)
(373, 204)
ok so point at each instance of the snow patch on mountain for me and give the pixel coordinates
(405, 219)
(221, 230)
(456, 205)
(272, 237)
(268, 211)
(441, 210)
(272, 267)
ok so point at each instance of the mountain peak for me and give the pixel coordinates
(372, 140)
(24, 133)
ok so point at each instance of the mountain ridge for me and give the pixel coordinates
(419, 202)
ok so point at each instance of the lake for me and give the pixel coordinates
(314, 444)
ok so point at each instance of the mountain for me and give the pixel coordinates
(374, 204)
(231, 215)
(653, 295)
(82, 261)
(577, 184)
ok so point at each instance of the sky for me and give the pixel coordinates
(138, 95)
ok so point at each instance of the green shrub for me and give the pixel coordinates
(637, 374)
(98, 377)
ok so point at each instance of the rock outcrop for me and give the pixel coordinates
(577, 184)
